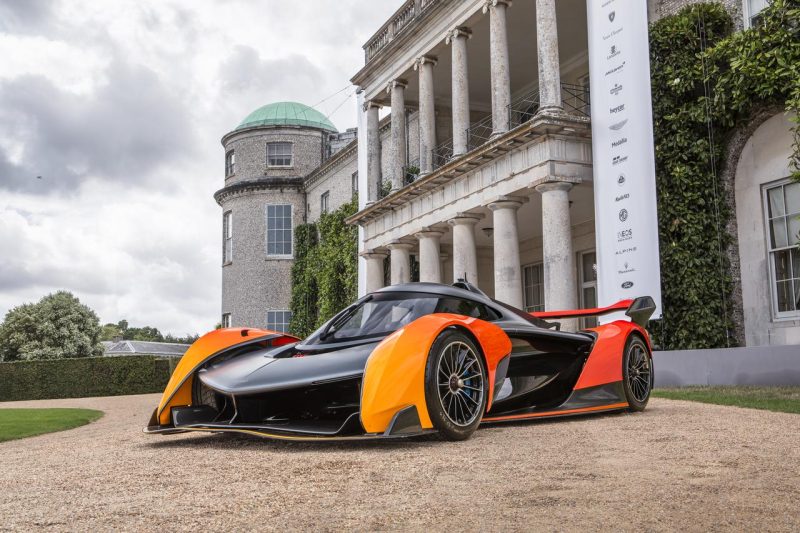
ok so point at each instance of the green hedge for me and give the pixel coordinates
(82, 377)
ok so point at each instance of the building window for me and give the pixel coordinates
(752, 11)
(279, 154)
(354, 182)
(227, 238)
(279, 231)
(324, 202)
(783, 226)
(588, 279)
(230, 163)
(279, 320)
(226, 320)
(533, 276)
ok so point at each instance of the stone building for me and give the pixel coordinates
(485, 144)
(285, 163)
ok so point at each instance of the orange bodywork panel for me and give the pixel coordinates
(179, 388)
(394, 376)
(604, 364)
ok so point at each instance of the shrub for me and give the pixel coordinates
(83, 377)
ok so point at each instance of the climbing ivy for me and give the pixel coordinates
(304, 282)
(706, 81)
(325, 272)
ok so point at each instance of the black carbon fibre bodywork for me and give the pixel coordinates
(311, 389)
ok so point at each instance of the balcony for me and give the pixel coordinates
(483, 146)
(405, 17)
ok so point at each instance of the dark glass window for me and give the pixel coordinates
(459, 306)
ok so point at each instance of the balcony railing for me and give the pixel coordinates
(574, 99)
(402, 19)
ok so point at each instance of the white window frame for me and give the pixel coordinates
(227, 238)
(772, 274)
(354, 182)
(284, 320)
(226, 320)
(230, 163)
(748, 16)
(531, 308)
(290, 144)
(325, 202)
(588, 322)
(291, 229)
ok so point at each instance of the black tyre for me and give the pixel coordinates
(455, 385)
(637, 373)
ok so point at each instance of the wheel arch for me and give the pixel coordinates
(604, 364)
(394, 376)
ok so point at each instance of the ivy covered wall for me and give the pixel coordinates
(707, 81)
(325, 272)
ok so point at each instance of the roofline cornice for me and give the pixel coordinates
(258, 184)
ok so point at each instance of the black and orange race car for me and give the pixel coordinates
(409, 360)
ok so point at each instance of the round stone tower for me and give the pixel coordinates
(267, 157)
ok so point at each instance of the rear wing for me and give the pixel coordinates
(640, 310)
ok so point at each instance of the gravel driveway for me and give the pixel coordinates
(678, 465)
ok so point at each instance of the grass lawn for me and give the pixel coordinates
(783, 399)
(21, 423)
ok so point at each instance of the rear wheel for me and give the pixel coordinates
(455, 385)
(637, 370)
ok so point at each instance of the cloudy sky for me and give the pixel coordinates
(111, 114)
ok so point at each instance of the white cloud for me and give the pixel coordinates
(130, 99)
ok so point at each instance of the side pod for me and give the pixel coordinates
(179, 388)
(394, 377)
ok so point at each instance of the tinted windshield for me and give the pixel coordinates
(383, 313)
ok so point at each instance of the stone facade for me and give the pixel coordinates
(253, 282)
(514, 194)
(334, 177)
(661, 8)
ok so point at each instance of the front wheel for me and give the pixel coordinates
(637, 370)
(455, 385)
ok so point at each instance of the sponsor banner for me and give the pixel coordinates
(626, 221)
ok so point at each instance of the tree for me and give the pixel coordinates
(56, 327)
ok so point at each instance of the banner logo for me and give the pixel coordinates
(618, 125)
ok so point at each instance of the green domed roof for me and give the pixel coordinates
(287, 114)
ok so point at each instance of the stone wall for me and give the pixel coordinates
(253, 283)
(662, 8)
(336, 179)
(250, 147)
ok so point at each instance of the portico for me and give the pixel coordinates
(489, 153)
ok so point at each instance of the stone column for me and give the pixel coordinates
(400, 256)
(374, 260)
(373, 152)
(465, 255)
(460, 82)
(547, 49)
(560, 285)
(427, 113)
(430, 262)
(500, 75)
(397, 90)
(507, 269)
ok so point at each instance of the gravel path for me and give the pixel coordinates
(678, 465)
